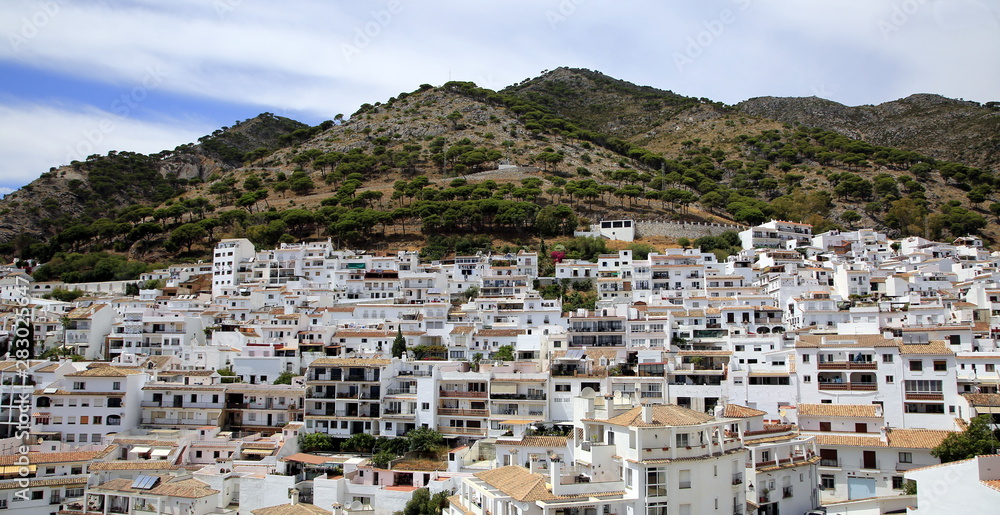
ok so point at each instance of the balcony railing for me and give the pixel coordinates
(457, 412)
(477, 431)
(737, 478)
(462, 394)
(823, 462)
(874, 465)
(847, 365)
(855, 387)
(924, 396)
(518, 396)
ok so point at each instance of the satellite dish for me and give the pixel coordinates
(618, 395)
(587, 393)
(356, 505)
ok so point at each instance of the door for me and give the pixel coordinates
(178, 401)
(868, 460)
(860, 487)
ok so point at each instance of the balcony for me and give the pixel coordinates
(924, 396)
(518, 396)
(854, 387)
(461, 394)
(738, 478)
(830, 462)
(846, 365)
(456, 412)
(474, 431)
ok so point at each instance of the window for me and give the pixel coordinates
(897, 482)
(76, 470)
(79, 385)
(682, 440)
(916, 365)
(906, 457)
(889, 379)
(923, 386)
(562, 387)
(827, 482)
(940, 365)
(656, 482)
(425, 406)
(37, 495)
(887, 358)
(807, 379)
(656, 508)
(990, 367)
(684, 479)
(825, 426)
(805, 358)
(117, 385)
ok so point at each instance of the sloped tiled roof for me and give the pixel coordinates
(292, 509)
(916, 438)
(168, 486)
(537, 441)
(518, 483)
(936, 347)
(107, 372)
(663, 415)
(857, 441)
(131, 465)
(982, 399)
(737, 411)
(839, 410)
(352, 362)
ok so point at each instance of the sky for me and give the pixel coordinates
(89, 76)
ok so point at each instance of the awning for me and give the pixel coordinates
(39, 414)
(140, 449)
(258, 452)
(986, 409)
(7, 470)
(160, 453)
(503, 388)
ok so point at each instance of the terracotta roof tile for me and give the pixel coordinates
(663, 415)
(916, 438)
(857, 441)
(518, 483)
(292, 509)
(737, 411)
(839, 410)
(537, 441)
(352, 362)
(168, 486)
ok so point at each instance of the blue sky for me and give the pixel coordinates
(92, 76)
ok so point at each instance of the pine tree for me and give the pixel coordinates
(399, 344)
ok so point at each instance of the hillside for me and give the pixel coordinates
(460, 168)
(933, 125)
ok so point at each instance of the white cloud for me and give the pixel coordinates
(321, 58)
(35, 137)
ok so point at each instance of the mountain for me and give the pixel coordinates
(425, 168)
(942, 128)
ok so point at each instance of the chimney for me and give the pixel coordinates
(295, 496)
(338, 509)
(647, 413)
